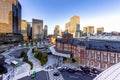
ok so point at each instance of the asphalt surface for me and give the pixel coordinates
(42, 75)
(76, 76)
(17, 53)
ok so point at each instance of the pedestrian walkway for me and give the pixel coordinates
(52, 49)
(51, 61)
(36, 63)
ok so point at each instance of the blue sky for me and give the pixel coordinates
(97, 13)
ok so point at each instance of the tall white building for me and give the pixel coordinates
(71, 26)
(57, 30)
(37, 28)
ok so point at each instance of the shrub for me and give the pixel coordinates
(33, 50)
(23, 54)
(25, 59)
(26, 44)
(67, 60)
(42, 57)
(31, 43)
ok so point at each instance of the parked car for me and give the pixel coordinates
(56, 74)
(95, 71)
(71, 70)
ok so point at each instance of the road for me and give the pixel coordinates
(17, 53)
(42, 75)
(75, 76)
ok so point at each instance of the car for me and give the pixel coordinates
(33, 74)
(95, 71)
(56, 74)
(71, 71)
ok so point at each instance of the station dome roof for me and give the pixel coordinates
(112, 73)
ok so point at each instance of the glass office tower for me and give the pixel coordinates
(10, 16)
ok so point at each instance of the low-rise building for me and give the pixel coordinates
(11, 37)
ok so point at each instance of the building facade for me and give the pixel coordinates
(45, 31)
(97, 54)
(57, 30)
(71, 26)
(78, 33)
(29, 30)
(88, 30)
(24, 30)
(37, 29)
(10, 16)
(100, 30)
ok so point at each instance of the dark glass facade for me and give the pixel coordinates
(19, 17)
(10, 16)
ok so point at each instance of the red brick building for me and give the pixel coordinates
(100, 55)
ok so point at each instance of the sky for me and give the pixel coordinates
(98, 13)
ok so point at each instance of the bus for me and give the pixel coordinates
(15, 63)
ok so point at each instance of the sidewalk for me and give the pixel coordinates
(52, 49)
(51, 61)
(36, 63)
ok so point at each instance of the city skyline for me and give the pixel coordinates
(101, 13)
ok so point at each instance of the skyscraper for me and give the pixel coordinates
(10, 16)
(84, 29)
(45, 31)
(100, 30)
(24, 29)
(78, 32)
(71, 26)
(37, 28)
(57, 30)
(88, 30)
(67, 27)
(29, 32)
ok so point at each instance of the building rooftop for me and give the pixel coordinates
(112, 73)
(96, 45)
(109, 46)
(103, 38)
(67, 35)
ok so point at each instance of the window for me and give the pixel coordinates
(112, 59)
(92, 55)
(97, 65)
(105, 53)
(92, 51)
(65, 47)
(105, 58)
(87, 55)
(105, 66)
(118, 57)
(92, 64)
(98, 57)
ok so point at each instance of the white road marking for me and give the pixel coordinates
(73, 76)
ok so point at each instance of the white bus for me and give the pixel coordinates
(14, 63)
